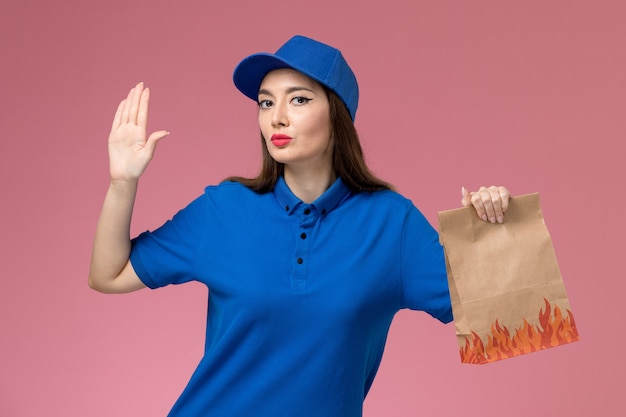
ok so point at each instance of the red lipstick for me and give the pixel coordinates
(278, 139)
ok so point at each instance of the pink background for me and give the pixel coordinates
(530, 94)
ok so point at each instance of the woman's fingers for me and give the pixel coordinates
(493, 205)
(126, 106)
(117, 119)
(142, 110)
(133, 109)
(131, 105)
(134, 104)
(504, 197)
(490, 203)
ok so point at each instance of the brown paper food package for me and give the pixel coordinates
(508, 296)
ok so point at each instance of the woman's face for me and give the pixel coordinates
(294, 118)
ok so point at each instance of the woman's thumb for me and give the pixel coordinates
(466, 198)
(155, 138)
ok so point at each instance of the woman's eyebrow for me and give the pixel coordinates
(288, 91)
(298, 88)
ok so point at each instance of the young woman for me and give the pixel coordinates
(306, 264)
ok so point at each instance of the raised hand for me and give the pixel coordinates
(490, 202)
(130, 148)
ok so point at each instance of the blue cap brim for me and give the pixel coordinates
(250, 72)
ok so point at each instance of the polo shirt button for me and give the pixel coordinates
(323, 211)
(299, 261)
(303, 236)
(286, 208)
(307, 211)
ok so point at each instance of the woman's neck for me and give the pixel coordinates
(308, 184)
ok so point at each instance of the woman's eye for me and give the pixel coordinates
(300, 100)
(265, 104)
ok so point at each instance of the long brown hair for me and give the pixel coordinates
(348, 160)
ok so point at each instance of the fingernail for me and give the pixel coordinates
(484, 217)
(500, 219)
(492, 219)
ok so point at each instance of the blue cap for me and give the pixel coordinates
(319, 61)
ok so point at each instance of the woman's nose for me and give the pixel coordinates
(279, 116)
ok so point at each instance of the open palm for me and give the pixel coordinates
(130, 148)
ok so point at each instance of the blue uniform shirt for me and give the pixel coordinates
(301, 296)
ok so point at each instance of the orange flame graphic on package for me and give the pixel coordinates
(553, 331)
